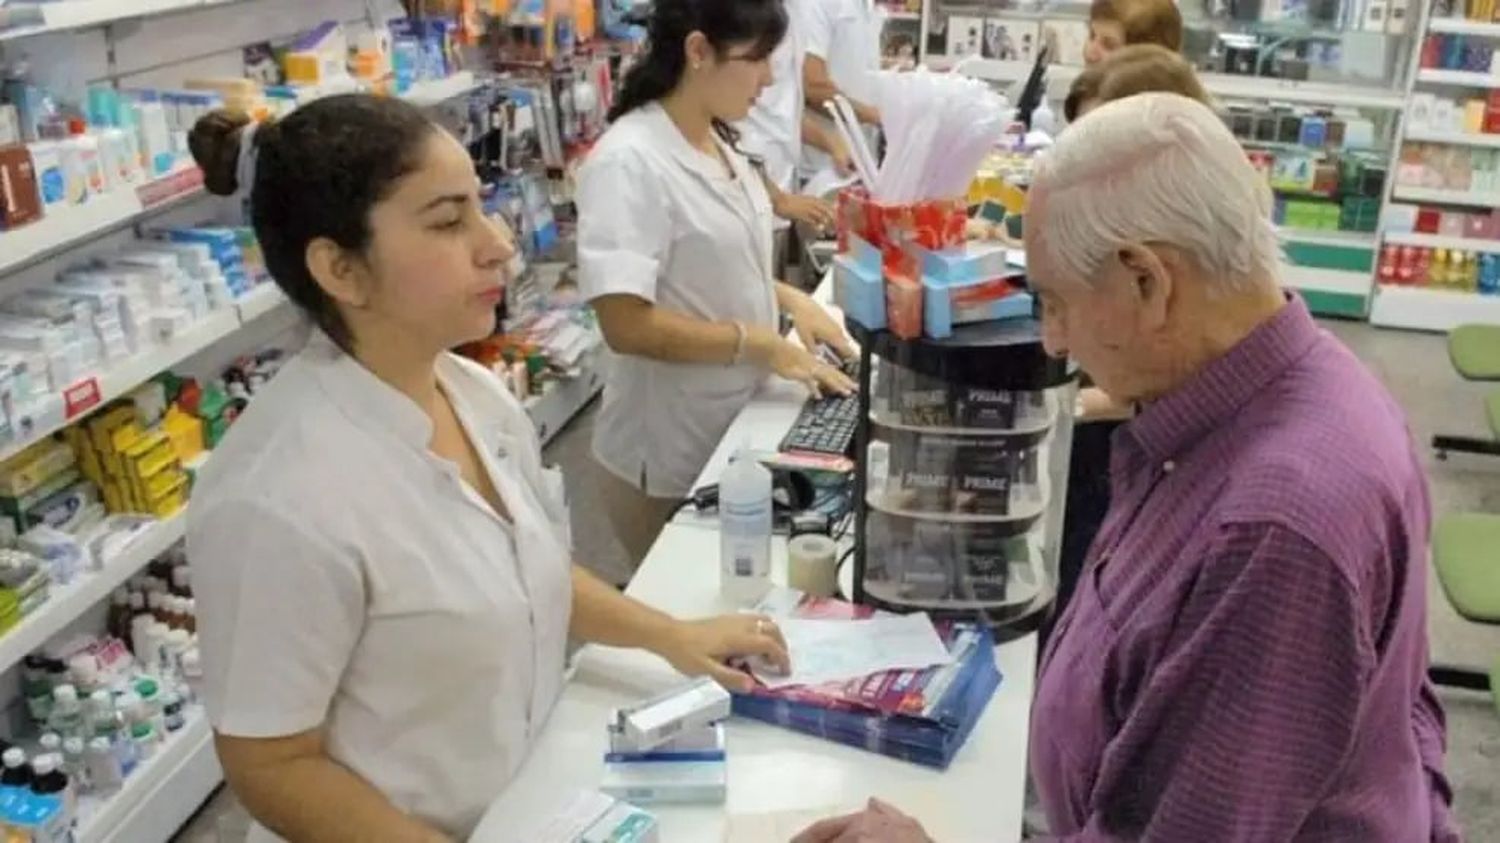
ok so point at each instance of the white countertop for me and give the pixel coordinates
(978, 799)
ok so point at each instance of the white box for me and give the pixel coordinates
(682, 709)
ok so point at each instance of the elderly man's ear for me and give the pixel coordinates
(1152, 274)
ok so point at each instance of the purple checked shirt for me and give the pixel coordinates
(1245, 657)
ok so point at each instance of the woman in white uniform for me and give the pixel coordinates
(380, 559)
(674, 251)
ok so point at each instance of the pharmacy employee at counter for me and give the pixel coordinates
(382, 562)
(674, 251)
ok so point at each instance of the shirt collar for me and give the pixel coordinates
(688, 156)
(1215, 393)
(366, 399)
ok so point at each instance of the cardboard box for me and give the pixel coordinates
(20, 201)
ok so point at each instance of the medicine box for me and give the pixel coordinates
(683, 709)
(972, 260)
(20, 197)
(946, 305)
(858, 291)
(691, 768)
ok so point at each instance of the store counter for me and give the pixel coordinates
(978, 799)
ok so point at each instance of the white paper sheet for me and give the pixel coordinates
(830, 651)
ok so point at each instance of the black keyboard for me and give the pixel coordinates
(825, 426)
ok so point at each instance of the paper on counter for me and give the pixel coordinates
(833, 651)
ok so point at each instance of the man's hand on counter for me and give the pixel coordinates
(879, 822)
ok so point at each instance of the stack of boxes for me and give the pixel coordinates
(127, 451)
(43, 485)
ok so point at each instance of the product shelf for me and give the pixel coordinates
(68, 602)
(68, 228)
(265, 298)
(81, 14)
(1481, 140)
(159, 795)
(119, 380)
(1461, 78)
(1461, 26)
(1437, 241)
(1422, 309)
(438, 91)
(1341, 239)
(1442, 196)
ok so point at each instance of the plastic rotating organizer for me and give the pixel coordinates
(963, 461)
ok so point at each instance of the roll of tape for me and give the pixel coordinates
(812, 565)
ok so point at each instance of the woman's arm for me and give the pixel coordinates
(815, 133)
(636, 327)
(290, 784)
(602, 615)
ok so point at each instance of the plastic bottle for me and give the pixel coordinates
(179, 641)
(17, 772)
(67, 711)
(73, 762)
(119, 613)
(1437, 273)
(1387, 266)
(180, 582)
(48, 779)
(105, 774)
(192, 674)
(172, 712)
(104, 720)
(1406, 266)
(151, 703)
(1471, 272)
(49, 742)
(144, 740)
(745, 530)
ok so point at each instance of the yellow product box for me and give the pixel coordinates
(186, 433)
(34, 466)
(114, 499)
(170, 501)
(304, 68)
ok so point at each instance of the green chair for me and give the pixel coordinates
(1466, 554)
(1475, 352)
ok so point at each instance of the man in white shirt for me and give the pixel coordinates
(841, 40)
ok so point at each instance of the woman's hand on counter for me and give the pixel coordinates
(795, 363)
(813, 324)
(701, 648)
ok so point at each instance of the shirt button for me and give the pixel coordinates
(1168, 466)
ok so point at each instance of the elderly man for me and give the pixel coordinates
(1245, 659)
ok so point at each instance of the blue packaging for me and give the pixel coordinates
(859, 292)
(972, 261)
(1314, 132)
(1453, 52)
(864, 253)
(406, 58)
(1489, 273)
(945, 305)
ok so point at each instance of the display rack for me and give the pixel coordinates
(1333, 269)
(135, 44)
(1429, 304)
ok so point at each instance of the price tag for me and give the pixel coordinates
(82, 397)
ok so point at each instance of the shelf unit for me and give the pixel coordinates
(162, 794)
(1422, 308)
(159, 795)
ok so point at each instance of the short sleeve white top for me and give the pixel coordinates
(663, 221)
(846, 35)
(773, 129)
(347, 576)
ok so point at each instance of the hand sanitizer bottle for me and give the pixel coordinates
(745, 530)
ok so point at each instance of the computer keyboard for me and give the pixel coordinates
(825, 426)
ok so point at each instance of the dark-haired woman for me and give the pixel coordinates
(381, 560)
(674, 250)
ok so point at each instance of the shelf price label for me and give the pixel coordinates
(82, 397)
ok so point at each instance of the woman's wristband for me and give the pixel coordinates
(740, 338)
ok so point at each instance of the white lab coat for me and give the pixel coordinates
(773, 129)
(846, 35)
(662, 220)
(347, 576)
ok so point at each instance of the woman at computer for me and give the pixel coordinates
(674, 252)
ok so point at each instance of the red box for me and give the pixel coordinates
(903, 306)
(1428, 220)
(19, 201)
(934, 224)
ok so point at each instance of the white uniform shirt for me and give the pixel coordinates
(846, 35)
(773, 129)
(347, 576)
(662, 220)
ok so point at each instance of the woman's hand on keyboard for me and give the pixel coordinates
(796, 363)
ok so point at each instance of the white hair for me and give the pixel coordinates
(1153, 168)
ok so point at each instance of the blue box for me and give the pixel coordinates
(950, 304)
(863, 253)
(970, 262)
(859, 291)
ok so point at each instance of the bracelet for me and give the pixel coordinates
(740, 336)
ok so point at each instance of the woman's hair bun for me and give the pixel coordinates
(215, 144)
